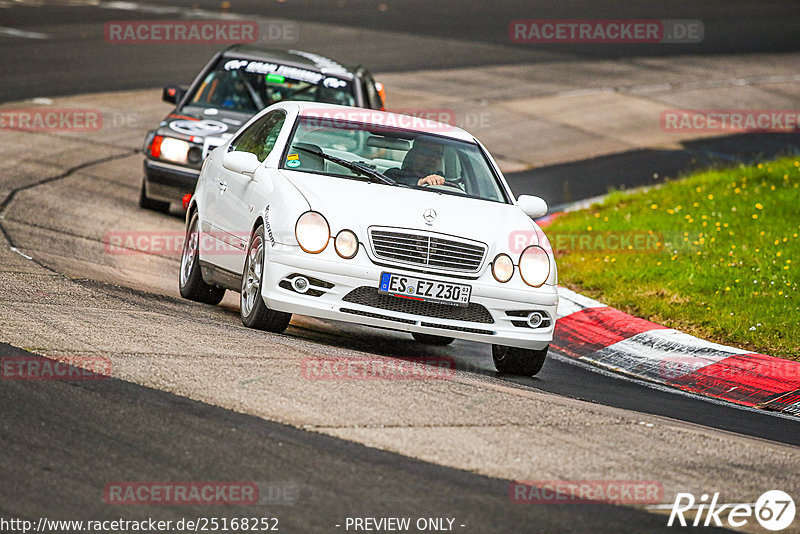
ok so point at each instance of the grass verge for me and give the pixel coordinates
(713, 254)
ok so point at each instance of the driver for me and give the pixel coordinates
(421, 165)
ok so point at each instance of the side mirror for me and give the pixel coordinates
(534, 207)
(241, 162)
(172, 94)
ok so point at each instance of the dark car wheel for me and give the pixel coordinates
(429, 339)
(190, 280)
(151, 204)
(253, 310)
(516, 361)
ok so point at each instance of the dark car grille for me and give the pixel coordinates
(369, 296)
(427, 250)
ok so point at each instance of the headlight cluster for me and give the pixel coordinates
(534, 266)
(313, 234)
(175, 150)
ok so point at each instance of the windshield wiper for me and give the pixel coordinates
(356, 167)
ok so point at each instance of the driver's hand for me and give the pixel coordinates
(431, 179)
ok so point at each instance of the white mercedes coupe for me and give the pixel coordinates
(375, 218)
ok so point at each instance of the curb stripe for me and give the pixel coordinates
(749, 379)
(587, 331)
(612, 339)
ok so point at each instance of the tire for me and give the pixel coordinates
(253, 311)
(516, 361)
(429, 339)
(190, 279)
(150, 204)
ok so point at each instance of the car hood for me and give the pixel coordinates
(359, 205)
(200, 122)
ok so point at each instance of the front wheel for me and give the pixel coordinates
(516, 361)
(191, 282)
(253, 310)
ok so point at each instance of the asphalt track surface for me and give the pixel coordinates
(74, 437)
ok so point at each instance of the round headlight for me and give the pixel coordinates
(346, 244)
(312, 232)
(534, 266)
(175, 150)
(502, 268)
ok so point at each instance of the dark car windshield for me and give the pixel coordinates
(249, 86)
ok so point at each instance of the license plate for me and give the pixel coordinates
(411, 287)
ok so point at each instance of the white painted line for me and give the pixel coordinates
(15, 249)
(13, 32)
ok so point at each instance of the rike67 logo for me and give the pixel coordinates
(774, 510)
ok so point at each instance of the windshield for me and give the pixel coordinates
(392, 156)
(250, 86)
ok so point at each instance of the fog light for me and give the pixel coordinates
(535, 319)
(300, 284)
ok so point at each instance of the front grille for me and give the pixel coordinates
(369, 296)
(428, 250)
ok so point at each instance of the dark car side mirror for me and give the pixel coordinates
(172, 94)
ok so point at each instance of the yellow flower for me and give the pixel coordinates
(759, 206)
(658, 263)
(779, 254)
(737, 190)
(698, 189)
(780, 292)
(588, 228)
(727, 288)
(653, 206)
(710, 197)
(755, 216)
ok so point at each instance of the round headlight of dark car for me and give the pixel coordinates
(346, 244)
(312, 232)
(534, 266)
(502, 268)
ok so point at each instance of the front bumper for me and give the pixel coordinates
(346, 290)
(168, 182)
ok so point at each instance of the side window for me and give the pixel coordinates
(260, 137)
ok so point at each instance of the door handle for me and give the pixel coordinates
(223, 186)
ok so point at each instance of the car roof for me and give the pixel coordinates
(293, 58)
(380, 118)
